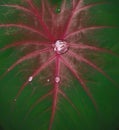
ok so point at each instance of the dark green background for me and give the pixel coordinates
(105, 93)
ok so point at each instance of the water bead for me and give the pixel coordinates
(57, 79)
(30, 79)
(61, 47)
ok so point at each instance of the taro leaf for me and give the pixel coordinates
(59, 65)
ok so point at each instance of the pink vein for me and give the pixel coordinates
(29, 56)
(70, 19)
(50, 11)
(23, 27)
(65, 96)
(17, 7)
(90, 47)
(41, 68)
(38, 101)
(52, 14)
(43, 8)
(23, 9)
(36, 13)
(86, 29)
(55, 93)
(78, 10)
(80, 81)
(80, 58)
(63, 6)
(89, 6)
(25, 43)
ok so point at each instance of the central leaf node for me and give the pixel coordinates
(60, 47)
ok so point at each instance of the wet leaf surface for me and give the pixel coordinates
(59, 65)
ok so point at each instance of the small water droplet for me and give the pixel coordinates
(48, 80)
(57, 79)
(30, 79)
(57, 10)
(15, 100)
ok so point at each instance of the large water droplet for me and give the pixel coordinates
(61, 47)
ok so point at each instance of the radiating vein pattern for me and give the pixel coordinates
(56, 47)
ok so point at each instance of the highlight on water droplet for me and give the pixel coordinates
(30, 79)
(57, 79)
(48, 80)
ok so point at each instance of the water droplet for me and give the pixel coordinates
(30, 79)
(48, 80)
(57, 79)
(61, 47)
(15, 100)
(57, 10)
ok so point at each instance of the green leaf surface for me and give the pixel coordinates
(59, 65)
